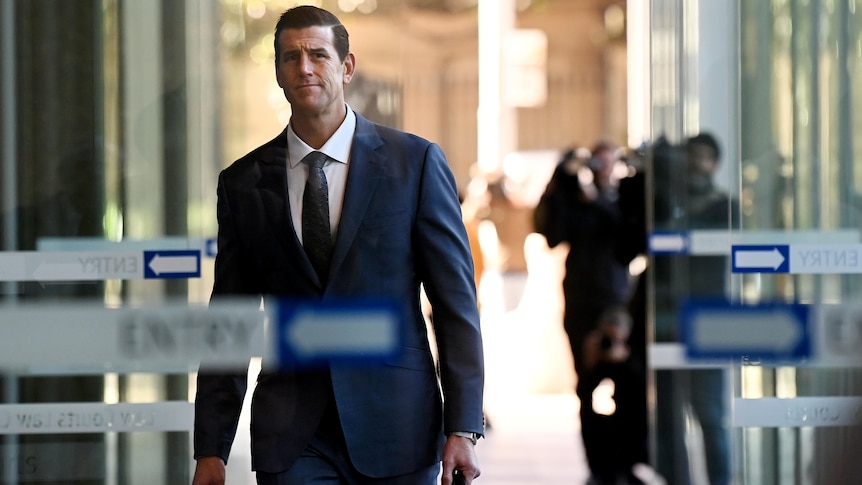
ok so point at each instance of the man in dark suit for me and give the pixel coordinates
(395, 223)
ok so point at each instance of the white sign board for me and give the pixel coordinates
(165, 338)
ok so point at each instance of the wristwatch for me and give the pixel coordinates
(473, 437)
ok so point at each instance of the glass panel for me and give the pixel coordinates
(799, 173)
(102, 136)
(797, 176)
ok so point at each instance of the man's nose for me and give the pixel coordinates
(305, 63)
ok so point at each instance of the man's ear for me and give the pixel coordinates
(349, 67)
(278, 76)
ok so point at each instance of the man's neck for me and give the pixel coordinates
(316, 129)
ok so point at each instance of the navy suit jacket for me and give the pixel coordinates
(400, 227)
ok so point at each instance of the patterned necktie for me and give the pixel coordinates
(316, 233)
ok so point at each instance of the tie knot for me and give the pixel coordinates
(314, 159)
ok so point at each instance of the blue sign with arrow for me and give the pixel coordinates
(774, 258)
(172, 264)
(768, 331)
(348, 331)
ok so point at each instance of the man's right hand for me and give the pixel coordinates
(209, 471)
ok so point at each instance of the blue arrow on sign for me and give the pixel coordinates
(773, 258)
(172, 264)
(347, 331)
(768, 331)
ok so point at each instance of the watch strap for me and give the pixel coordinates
(473, 437)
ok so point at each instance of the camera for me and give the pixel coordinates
(594, 163)
(606, 343)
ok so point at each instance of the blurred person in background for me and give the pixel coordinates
(580, 208)
(617, 435)
(687, 198)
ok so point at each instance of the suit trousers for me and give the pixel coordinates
(325, 461)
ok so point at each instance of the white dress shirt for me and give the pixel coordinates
(337, 148)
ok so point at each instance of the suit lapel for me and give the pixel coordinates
(366, 168)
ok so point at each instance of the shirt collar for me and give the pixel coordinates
(336, 148)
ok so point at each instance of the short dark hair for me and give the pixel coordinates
(311, 16)
(707, 140)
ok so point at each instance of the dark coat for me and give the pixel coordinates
(596, 278)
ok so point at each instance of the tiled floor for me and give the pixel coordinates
(533, 440)
(529, 396)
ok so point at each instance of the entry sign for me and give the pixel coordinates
(773, 258)
(769, 332)
(344, 331)
(172, 264)
(826, 258)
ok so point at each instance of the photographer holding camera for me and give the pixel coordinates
(580, 208)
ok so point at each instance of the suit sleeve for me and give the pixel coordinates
(445, 265)
(220, 394)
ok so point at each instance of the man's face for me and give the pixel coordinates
(701, 159)
(309, 71)
(605, 162)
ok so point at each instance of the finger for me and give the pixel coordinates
(446, 476)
